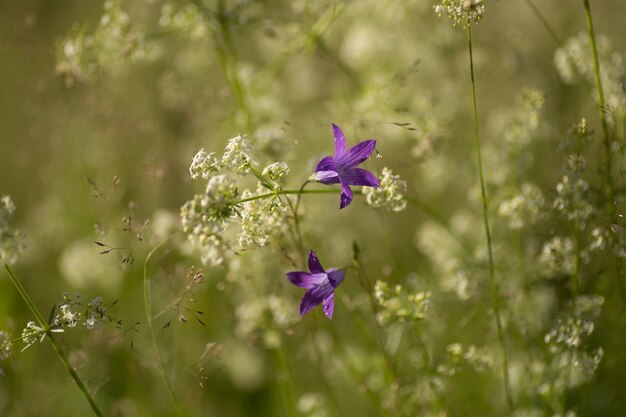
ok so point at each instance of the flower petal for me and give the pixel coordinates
(327, 177)
(340, 141)
(357, 154)
(336, 276)
(359, 176)
(305, 279)
(315, 296)
(314, 264)
(346, 195)
(326, 164)
(329, 305)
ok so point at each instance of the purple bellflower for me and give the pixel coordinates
(342, 168)
(321, 286)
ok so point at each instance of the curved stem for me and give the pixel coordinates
(495, 300)
(148, 311)
(55, 344)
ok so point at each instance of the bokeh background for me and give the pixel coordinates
(124, 120)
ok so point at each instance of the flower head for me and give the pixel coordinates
(320, 284)
(342, 168)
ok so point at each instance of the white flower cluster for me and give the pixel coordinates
(261, 219)
(458, 356)
(399, 305)
(572, 198)
(239, 155)
(524, 208)
(204, 165)
(113, 44)
(558, 257)
(276, 172)
(6, 347)
(391, 193)
(184, 19)
(10, 240)
(261, 214)
(206, 216)
(31, 334)
(461, 11)
(573, 61)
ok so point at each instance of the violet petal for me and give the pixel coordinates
(335, 276)
(326, 164)
(359, 176)
(340, 141)
(329, 305)
(346, 195)
(327, 177)
(305, 279)
(357, 154)
(315, 296)
(314, 264)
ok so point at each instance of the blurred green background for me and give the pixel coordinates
(390, 70)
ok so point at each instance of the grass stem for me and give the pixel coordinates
(495, 299)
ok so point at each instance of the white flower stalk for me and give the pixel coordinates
(523, 209)
(558, 257)
(572, 61)
(204, 165)
(239, 155)
(276, 172)
(261, 219)
(458, 356)
(209, 214)
(460, 11)
(112, 45)
(184, 19)
(11, 245)
(390, 195)
(399, 305)
(6, 347)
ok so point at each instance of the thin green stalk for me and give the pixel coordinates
(608, 175)
(608, 188)
(287, 192)
(57, 347)
(230, 64)
(148, 311)
(495, 301)
(380, 331)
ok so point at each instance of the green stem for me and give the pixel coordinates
(55, 344)
(227, 55)
(380, 331)
(148, 311)
(495, 301)
(609, 188)
(608, 175)
(287, 192)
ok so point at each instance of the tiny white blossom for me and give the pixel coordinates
(239, 155)
(204, 165)
(390, 194)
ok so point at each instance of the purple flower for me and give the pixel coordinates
(320, 285)
(342, 169)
